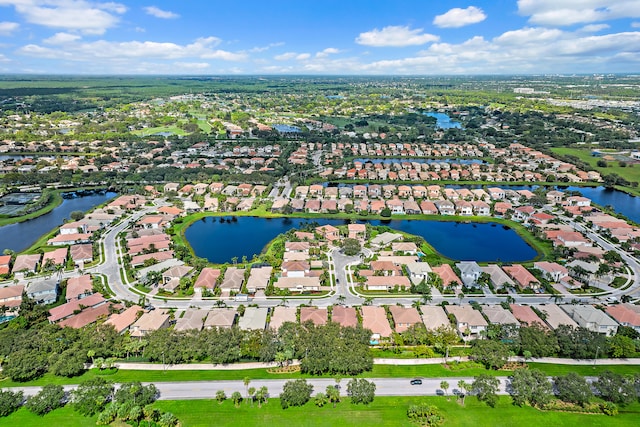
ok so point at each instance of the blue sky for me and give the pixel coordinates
(360, 37)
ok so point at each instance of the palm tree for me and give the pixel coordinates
(246, 382)
(444, 385)
(251, 392)
(463, 386)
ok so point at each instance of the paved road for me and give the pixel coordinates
(384, 387)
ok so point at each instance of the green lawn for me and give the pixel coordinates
(465, 369)
(384, 411)
(629, 173)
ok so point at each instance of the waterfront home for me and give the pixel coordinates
(589, 317)
(404, 317)
(469, 322)
(404, 247)
(5, 267)
(481, 208)
(418, 271)
(328, 232)
(259, 278)
(375, 319)
(233, 281)
(522, 276)
(445, 207)
(357, 231)
(447, 275)
(428, 208)
(56, 257)
(470, 272)
(207, 279)
(551, 271)
(497, 276)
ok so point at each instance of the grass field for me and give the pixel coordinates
(465, 369)
(629, 173)
(384, 411)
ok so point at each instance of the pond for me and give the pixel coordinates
(20, 236)
(220, 241)
(443, 121)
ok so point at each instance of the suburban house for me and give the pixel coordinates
(418, 271)
(386, 283)
(25, 264)
(447, 275)
(171, 277)
(281, 315)
(522, 276)
(191, 319)
(498, 315)
(551, 271)
(625, 314)
(434, 317)
(43, 292)
(318, 316)
(589, 317)
(470, 272)
(555, 316)
(497, 276)
(149, 322)
(253, 319)
(345, 316)
(526, 315)
(469, 322)
(207, 279)
(404, 317)
(79, 287)
(10, 299)
(220, 318)
(259, 278)
(375, 319)
(121, 322)
(233, 281)
(298, 284)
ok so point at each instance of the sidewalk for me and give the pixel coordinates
(398, 362)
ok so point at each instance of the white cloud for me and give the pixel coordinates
(285, 56)
(62, 38)
(3, 58)
(6, 28)
(259, 49)
(303, 56)
(457, 17)
(395, 36)
(326, 52)
(106, 51)
(570, 12)
(594, 28)
(76, 15)
(159, 13)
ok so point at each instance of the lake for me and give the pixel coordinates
(443, 121)
(20, 236)
(220, 241)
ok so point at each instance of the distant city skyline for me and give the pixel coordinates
(347, 37)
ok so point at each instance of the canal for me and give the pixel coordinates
(22, 235)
